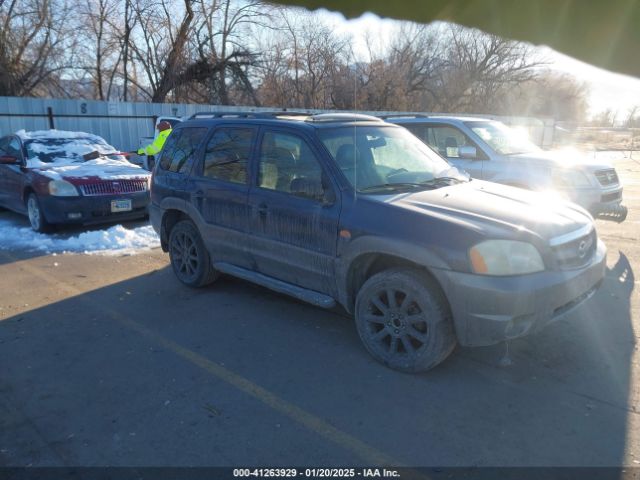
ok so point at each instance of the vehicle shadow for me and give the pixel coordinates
(584, 360)
(122, 375)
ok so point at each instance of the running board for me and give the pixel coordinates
(309, 296)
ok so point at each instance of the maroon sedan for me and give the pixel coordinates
(58, 177)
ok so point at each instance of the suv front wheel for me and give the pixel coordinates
(189, 257)
(404, 321)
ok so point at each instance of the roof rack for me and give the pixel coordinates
(403, 115)
(342, 117)
(240, 114)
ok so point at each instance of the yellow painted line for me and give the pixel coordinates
(369, 454)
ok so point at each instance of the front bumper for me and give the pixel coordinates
(488, 310)
(604, 203)
(92, 209)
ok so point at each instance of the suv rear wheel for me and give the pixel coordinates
(404, 320)
(189, 257)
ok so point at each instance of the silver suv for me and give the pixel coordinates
(490, 150)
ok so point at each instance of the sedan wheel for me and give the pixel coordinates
(36, 217)
(189, 257)
(404, 320)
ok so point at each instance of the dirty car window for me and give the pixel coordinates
(227, 154)
(372, 155)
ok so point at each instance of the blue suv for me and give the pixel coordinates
(345, 209)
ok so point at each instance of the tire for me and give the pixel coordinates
(412, 332)
(189, 257)
(36, 216)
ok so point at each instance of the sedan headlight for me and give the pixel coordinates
(62, 188)
(565, 178)
(505, 257)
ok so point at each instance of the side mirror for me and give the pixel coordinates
(9, 160)
(468, 152)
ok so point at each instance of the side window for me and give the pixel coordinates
(287, 164)
(446, 140)
(4, 142)
(177, 156)
(167, 150)
(228, 153)
(13, 148)
(420, 131)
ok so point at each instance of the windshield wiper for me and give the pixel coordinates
(394, 186)
(437, 180)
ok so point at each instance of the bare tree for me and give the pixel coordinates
(478, 68)
(99, 44)
(34, 45)
(172, 63)
(548, 94)
(300, 63)
(223, 54)
(158, 45)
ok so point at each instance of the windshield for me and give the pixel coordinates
(68, 149)
(385, 157)
(502, 139)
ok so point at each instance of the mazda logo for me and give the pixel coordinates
(583, 248)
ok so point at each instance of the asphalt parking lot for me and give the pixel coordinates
(110, 361)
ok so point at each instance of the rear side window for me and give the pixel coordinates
(178, 150)
(227, 154)
(13, 148)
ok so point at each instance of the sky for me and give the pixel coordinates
(608, 90)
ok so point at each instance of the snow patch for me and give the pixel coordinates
(115, 240)
(102, 168)
(59, 153)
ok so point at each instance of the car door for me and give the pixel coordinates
(220, 192)
(447, 140)
(176, 162)
(294, 212)
(12, 176)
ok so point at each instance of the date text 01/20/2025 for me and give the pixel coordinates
(316, 472)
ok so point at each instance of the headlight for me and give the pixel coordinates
(505, 257)
(62, 188)
(564, 178)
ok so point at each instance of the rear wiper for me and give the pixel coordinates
(394, 186)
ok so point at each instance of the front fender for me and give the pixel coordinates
(350, 252)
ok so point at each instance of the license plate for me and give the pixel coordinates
(120, 206)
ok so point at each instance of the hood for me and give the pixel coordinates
(568, 158)
(495, 210)
(92, 170)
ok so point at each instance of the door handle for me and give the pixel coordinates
(262, 209)
(199, 194)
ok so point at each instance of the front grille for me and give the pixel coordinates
(607, 177)
(576, 253)
(610, 197)
(114, 187)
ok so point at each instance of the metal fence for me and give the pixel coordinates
(122, 124)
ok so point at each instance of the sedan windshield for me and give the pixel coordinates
(68, 149)
(378, 159)
(504, 140)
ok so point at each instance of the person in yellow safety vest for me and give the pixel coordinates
(154, 147)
